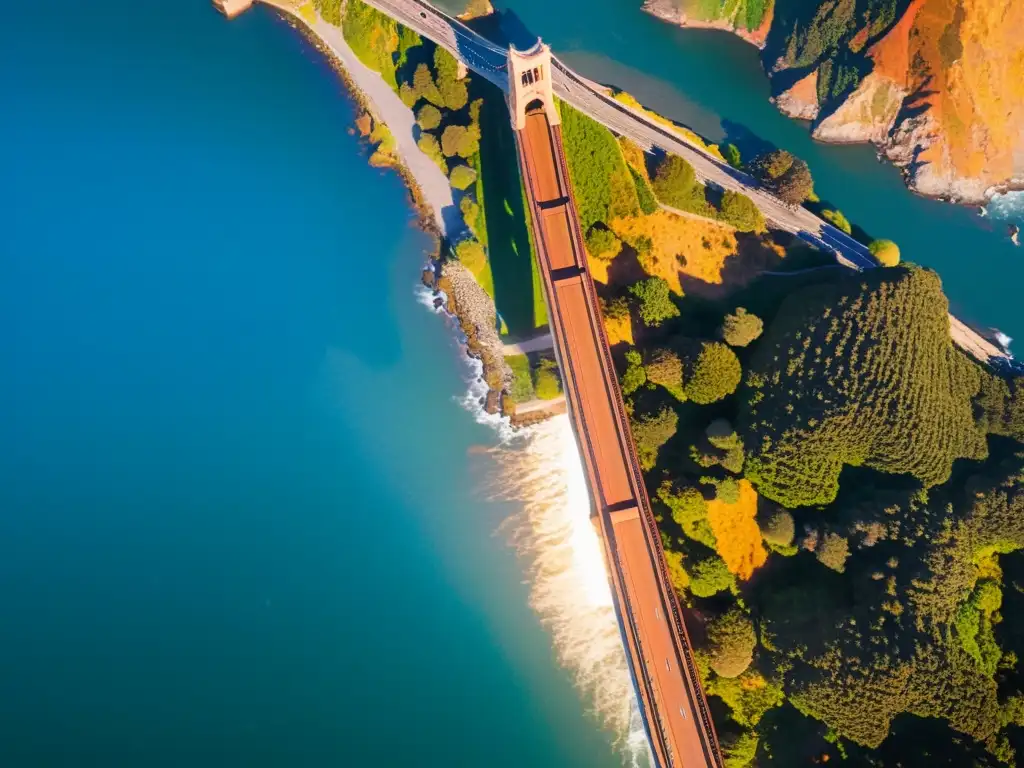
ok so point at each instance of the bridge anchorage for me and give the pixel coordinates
(658, 652)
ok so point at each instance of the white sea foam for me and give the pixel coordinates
(540, 470)
(1008, 207)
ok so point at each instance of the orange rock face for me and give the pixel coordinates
(945, 97)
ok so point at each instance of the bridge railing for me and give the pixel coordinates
(651, 530)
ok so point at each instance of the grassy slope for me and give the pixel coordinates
(517, 282)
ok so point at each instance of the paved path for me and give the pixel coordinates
(536, 344)
(388, 108)
(538, 405)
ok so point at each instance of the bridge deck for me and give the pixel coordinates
(657, 648)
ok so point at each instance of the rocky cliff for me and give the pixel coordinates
(937, 85)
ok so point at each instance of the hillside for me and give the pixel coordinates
(938, 85)
(858, 372)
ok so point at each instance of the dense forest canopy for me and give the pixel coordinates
(860, 371)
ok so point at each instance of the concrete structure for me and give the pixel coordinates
(232, 8)
(674, 708)
(529, 76)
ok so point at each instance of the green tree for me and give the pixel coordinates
(777, 527)
(603, 244)
(429, 146)
(654, 300)
(428, 117)
(424, 87)
(459, 140)
(546, 382)
(714, 373)
(731, 153)
(785, 175)
(731, 642)
(886, 252)
(739, 749)
(650, 432)
(675, 184)
(665, 369)
(689, 510)
(462, 176)
(709, 576)
(741, 328)
(739, 210)
(635, 376)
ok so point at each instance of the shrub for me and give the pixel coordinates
(603, 244)
(471, 255)
(521, 389)
(650, 432)
(838, 220)
(546, 383)
(462, 177)
(655, 302)
(428, 117)
(676, 185)
(714, 374)
(470, 210)
(429, 146)
(832, 552)
(739, 210)
(778, 529)
(709, 576)
(886, 252)
(731, 153)
(424, 87)
(635, 375)
(741, 328)
(731, 642)
(615, 309)
(785, 175)
(740, 749)
(459, 140)
(453, 91)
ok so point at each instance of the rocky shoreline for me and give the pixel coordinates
(453, 284)
(909, 124)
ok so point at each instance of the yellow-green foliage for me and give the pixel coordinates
(859, 371)
(650, 432)
(546, 382)
(838, 220)
(521, 389)
(886, 252)
(748, 696)
(330, 10)
(472, 256)
(630, 101)
(731, 642)
(739, 210)
(373, 38)
(712, 374)
(601, 181)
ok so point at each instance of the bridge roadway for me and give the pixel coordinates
(658, 649)
(489, 61)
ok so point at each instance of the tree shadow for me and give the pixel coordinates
(751, 259)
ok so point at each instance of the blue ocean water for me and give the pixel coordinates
(240, 509)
